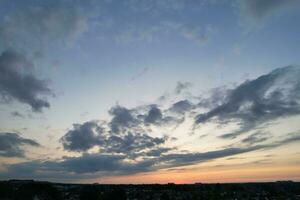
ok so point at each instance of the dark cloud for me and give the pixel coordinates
(255, 138)
(122, 118)
(17, 82)
(255, 102)
(82, 137)
(181, 106)
(11, 144)
(181, 159)
(93, 163)
(175, 160)
(85, 166)
(162, 118)
(132, 143)
(89, 163)
(89, 134)
(127, 132)
(123, 142)
(135, 119)
(254, 12)
(158, 152)
(181, 86)
(154, 115)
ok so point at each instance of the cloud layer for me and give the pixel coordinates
(99, 164)
(125, 144)
(11, 144)
(252, 103)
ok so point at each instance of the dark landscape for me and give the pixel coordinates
(35, 190)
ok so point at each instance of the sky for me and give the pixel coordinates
(150, 91)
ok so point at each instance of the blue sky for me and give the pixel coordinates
(68, 62)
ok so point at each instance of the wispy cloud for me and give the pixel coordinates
(199, 34)
(140, 73)
(255, 12)
(260, 100)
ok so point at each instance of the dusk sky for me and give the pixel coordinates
(150, 91)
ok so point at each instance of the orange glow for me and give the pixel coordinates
(209, 175)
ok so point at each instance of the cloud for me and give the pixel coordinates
(85, 166)
(103, 164)
(198, 34)
(158, 152)
(182, 159)
(89, 163)
(135, 119)
(132, 145)
(255, 12)
(153, 32)
(17, 114)
(122, 119)
(126, 143)
(11, 144)
(38, 24)
(181, 86)
(161, 118)
(255, 138)
(127, 132)
(89, 134)
(292, 137)
(154, 115)
(255, 102)
(155, 6)
(251, 104)
(140, 73)
(217, 96)
(130, 152)
(17, 82)
(32, 28)
(82, 137)
(181, 106)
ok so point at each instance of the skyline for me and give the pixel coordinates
(153, 91)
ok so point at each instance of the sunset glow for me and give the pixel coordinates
(150, 91)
